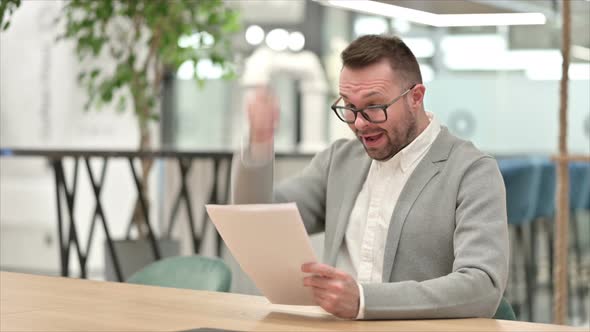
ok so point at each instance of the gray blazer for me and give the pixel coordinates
(447, 247)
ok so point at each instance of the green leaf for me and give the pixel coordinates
(154, 117)
(124, 75)
(151, 102)
(229, 75)
(122, 104)
(107, 95)
(232, 23)
(93, 25)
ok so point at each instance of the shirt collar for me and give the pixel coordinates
(416, 149)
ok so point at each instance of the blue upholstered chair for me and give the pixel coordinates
(504, 311)
(544, 214)
(189, 272)
(522, 179)
(579, 185)
(545, 205)
(579, 198)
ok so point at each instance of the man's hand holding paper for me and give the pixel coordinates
(270, 243)
(334, 290)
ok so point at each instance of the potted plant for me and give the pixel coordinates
(144, 39)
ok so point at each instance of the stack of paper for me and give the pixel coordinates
(270, 243)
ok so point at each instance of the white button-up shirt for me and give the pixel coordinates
(363, 249)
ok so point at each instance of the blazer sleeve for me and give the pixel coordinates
(253, 184)
(480, 269)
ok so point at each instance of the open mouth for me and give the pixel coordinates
(373, 139)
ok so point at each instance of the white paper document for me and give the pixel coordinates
(270, 243)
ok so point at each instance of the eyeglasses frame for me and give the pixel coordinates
(355, 111)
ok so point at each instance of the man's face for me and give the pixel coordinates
(377, 84)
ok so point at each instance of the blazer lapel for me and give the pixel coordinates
(353, 176)
(424, 172)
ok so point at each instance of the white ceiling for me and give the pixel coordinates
(291, 12)
(282, 12)
(546, 36)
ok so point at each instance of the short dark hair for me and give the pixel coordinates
(370, 49)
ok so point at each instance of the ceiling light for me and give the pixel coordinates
(196, 39)
(379, 8)
(254, 35)
(438, 20)
(277, 39)
(187, 41)
(206, 69)
(458, 20)
(296, 41)
(207, 39)
(186, 71)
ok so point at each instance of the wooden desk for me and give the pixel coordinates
(39, 303)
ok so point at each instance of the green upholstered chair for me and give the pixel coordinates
(504, 311)
(190, 272)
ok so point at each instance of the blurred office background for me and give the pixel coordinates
(496, 84)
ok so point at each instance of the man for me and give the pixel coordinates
(414, 217)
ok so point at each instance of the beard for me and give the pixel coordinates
(397, 137)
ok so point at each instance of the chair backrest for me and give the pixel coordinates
(579, 185)
(190, 272)
(504, 311)
(521, 178)
(545, 207)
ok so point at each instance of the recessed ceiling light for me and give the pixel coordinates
(254, 35)
(438, 20)
(277, 39)
(296, 41)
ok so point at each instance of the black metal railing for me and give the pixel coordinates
(66, 190)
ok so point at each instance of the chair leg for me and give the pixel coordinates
(578, 254)
(514, 296)
(550, 236)
(584, 284)
(520, 241)
(549, 229)
(529, 273)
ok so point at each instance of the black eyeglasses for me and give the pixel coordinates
(373, 113)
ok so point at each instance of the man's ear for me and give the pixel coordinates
(417, 95)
